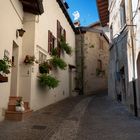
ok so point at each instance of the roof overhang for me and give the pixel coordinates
(103, 11)
(33, 6)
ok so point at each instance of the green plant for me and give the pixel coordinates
(19, 101)
(54, 51)
(5, 65)
(30, 59)
(44, 67)
(48, 80)
(65, 46)
(100, 72)
(92, 46)
(58, 62)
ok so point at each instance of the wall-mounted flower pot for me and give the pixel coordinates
(3, 79)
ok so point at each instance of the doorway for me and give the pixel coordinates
(14, 70)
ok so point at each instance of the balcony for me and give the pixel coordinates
(33, 6)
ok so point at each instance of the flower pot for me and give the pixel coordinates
(3, 79)
(20, 109)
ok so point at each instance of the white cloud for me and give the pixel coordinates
(76, 15)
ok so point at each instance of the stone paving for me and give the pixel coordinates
(78, 118)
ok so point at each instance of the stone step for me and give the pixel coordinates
(12, 102)
(17, 116)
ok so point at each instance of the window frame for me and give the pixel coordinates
(122, 14)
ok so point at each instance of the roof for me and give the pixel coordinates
(64, 10)
(92, 28)
(95, 24)
(103, 11)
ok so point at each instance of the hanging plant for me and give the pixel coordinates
(5, 65)
(44, 67)
(30, 60)
(65, 46)
(54, 51)
(48, 80)
(58, 62)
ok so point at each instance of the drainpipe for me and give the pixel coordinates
(82, 63)
(133, 59)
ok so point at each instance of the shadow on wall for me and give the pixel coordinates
(121, 71)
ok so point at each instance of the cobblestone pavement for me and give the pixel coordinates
(78, 118)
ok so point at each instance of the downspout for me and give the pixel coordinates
(133, 59)
(82, 64)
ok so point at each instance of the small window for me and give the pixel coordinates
(101, 43)
(122, 14)
(51, 42)
(60, 33)
(99, 64)
(42, 57)
(111, 33)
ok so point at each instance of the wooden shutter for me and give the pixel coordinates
(58, 37)
(64, 34)
(58, 30)
(49, 41)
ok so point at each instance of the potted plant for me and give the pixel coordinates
(5, 65)
(65, 46)
(54, 51)
(58, 62)
(44, 67)
(20, 105)
(48, 80)
(30, 60)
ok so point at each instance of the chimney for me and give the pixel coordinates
(77, 23)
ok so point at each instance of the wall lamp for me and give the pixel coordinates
(20, 32)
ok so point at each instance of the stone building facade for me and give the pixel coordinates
(92, 59)
(124, 52)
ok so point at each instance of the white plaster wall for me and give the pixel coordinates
(10, 21)
(39, 37)
(27, 49)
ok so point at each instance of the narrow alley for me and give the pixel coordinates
(77, 118)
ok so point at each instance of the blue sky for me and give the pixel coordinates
(86, 8)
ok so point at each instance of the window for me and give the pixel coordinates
(60, 33)
(99, 64)
(51, 42)
(101, 41)
(42, 57)
(122, 14)
(111, 33)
